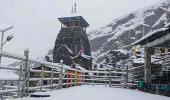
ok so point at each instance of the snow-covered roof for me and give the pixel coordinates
(86, 56)
(142, 60)
(163, 18)
(167, 25)
(101, 69)
(122, 51)
(139, 60)
(166, 10)
(83, 22)
(8, 75)
(145, 24)
(149, 35)
(38, 65)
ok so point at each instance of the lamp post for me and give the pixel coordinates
(7, 39)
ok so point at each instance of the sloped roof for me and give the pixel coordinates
(86, 56)
(151, 36)
(8, 75)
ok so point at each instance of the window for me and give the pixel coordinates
(77, 23)
(72, 23)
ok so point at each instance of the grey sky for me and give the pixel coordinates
(36, 24)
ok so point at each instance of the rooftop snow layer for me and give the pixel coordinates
(149, 35)
(8, 75)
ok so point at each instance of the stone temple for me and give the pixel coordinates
(72, 44)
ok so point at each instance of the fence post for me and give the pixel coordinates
(24, 74)
(81, 76)
(20, 80)
(26, 52)
(83, 82)
(84, 78)
(71, 78)
(93, 79)
(110, 79)
(105, 81)
(42, 76)
(67, 79)
(126, 77)
(76, 78)
(3, 83)
(157, 89)
(61, 75)
(28, 82)
(52, 71)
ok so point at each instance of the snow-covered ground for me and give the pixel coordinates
(98, 93)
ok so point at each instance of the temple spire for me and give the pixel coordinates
(74, 8)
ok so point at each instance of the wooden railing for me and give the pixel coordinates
(59, 76)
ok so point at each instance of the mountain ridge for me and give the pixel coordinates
(127, 29)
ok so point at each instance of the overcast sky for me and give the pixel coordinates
(36, 25)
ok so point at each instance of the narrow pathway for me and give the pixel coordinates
(98, 93)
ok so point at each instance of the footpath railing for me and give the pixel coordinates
(160, 75)
(35, 75)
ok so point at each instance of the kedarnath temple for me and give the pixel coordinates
(72, 44)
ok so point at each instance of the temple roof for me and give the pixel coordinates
(83, 22)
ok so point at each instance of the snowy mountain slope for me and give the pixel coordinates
(125, 30)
